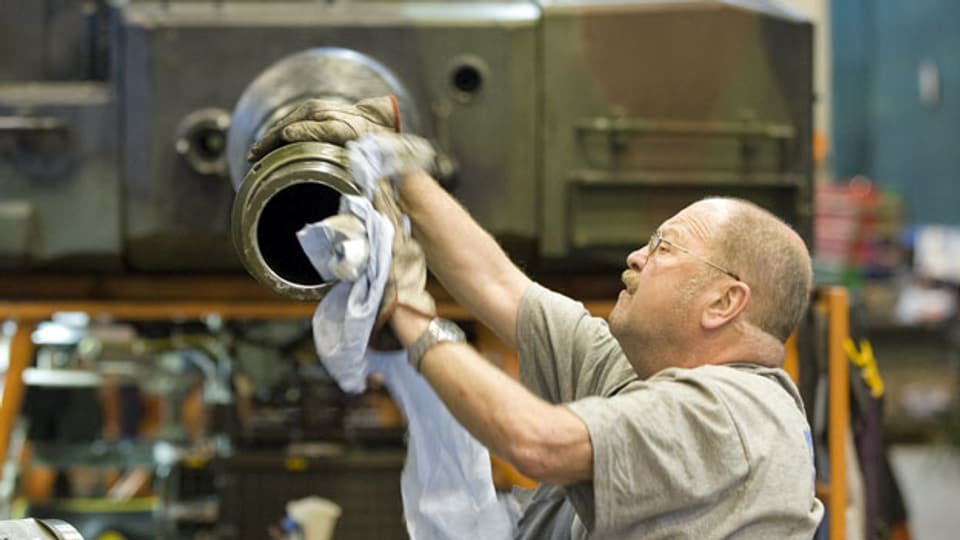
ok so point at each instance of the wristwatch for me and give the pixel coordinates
(438, 331)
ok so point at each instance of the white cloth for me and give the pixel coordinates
(354, 249)
(345, 316)
(337, 247)
(447, 482)
(386, 155)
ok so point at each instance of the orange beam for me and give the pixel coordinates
(839, 409)
(172, 310)
(791, 361)
(157, 310)
(21, 351)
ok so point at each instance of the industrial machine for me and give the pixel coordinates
(572, 127)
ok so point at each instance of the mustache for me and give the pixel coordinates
(630, 278)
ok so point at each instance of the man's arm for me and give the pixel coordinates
(543, 441)
(546, 442)
(465, 258)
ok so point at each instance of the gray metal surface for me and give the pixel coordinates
(176, 58)
(654, 104)
(52, 40)
(329, 73)
(58, 177)
(18, 221)
(576, 125)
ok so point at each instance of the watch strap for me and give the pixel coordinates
(439, 330)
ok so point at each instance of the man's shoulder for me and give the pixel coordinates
(757, 398)
(736, 385)
(750, 376)
(537, 296)
(738, 429)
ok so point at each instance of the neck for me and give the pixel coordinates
(650, 357)
(743, 343)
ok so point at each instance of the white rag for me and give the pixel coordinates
(353, 248)
(344, 318)
(447, 483)
(386, 155)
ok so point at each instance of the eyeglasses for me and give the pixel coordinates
(657, 238)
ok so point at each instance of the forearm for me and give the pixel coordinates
(547, 442)
(465, 258)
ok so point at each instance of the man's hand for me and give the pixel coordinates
(330, 121)
(406, 283)
(387, 155)
(376, 160)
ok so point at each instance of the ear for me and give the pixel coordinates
(725, 304)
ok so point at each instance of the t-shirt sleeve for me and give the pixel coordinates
(565, 353)
(660, 449)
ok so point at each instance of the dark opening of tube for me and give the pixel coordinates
(285, 214)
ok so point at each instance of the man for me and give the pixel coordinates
(675, 421)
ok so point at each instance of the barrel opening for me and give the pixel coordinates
(285, 213)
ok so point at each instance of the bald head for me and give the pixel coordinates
(770, 257)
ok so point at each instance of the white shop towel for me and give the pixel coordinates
(447, 483)
(341, 248)
(354, 249)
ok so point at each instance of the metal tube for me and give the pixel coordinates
(292, 186)
(299, 183)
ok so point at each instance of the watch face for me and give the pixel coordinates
(450, 331)
(439, 330)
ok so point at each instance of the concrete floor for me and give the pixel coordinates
(929, 477)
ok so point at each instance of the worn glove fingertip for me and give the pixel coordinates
(266, 144)
(295, 132)
(396, 113)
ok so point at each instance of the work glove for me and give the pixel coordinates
(330, 121)
(407, 280)
(377, 162)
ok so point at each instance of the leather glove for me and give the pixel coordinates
(376, 156)
(377, 160)
(330, 121)
(407, 280)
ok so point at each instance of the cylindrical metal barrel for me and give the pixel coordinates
(292, 186)
(299, 183)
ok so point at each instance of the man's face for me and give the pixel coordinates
(659, 309)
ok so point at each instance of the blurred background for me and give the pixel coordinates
(161, 380)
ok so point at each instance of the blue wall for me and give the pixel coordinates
(880, 127)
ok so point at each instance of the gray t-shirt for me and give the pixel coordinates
(719, 451)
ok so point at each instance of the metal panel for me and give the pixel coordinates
(654, 104)
(53, 40)
(178, 58)
(547, 110)
(58, 157)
